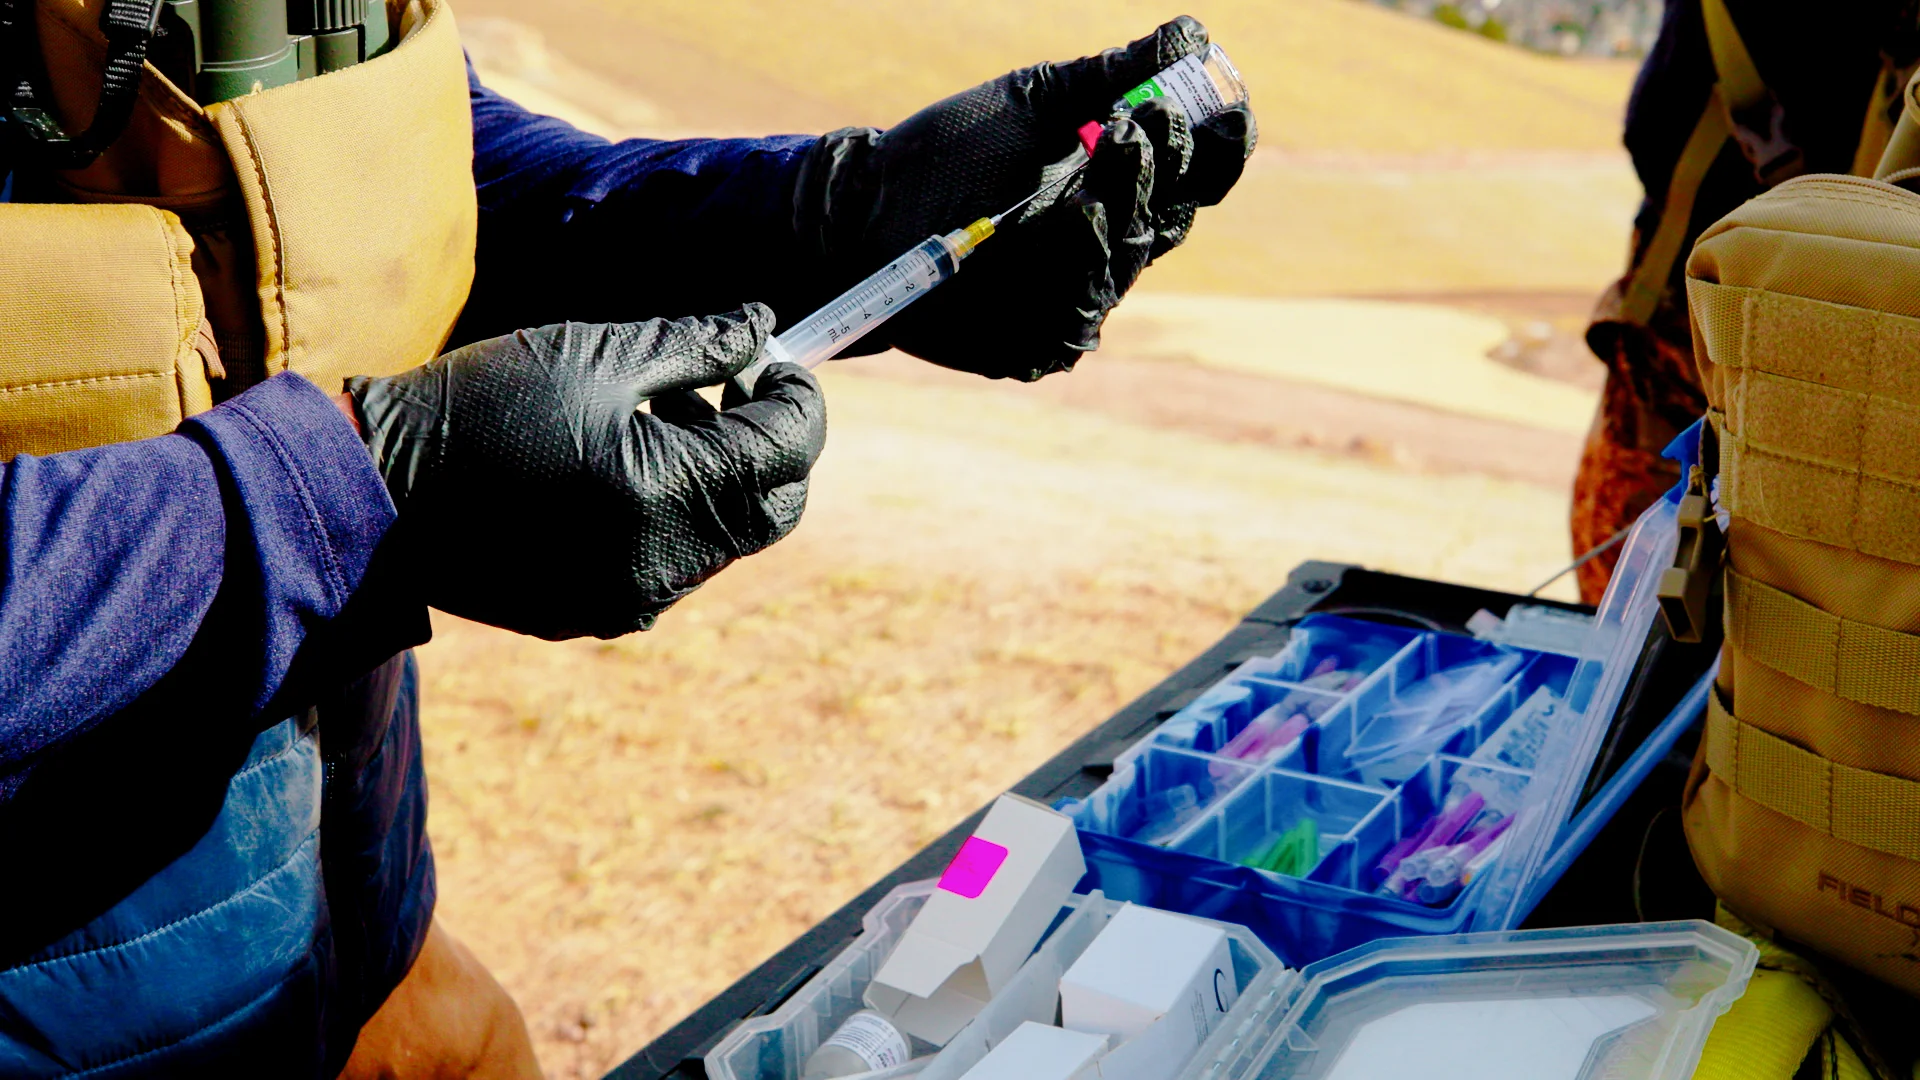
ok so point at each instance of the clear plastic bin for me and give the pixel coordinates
(1631, 1002)
(776, 1046)
(1324, 662)
(1390, 726)
(1607, 663)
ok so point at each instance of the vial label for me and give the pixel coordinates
(1186, 83)
(873, 1038)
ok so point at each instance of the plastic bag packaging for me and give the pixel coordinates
(1534, 626)
(1515, 744)
(1430, 711)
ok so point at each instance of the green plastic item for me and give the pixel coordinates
(341, 29)
(241, 47)
(244, 48)
(188, 14)
(375, 34)
(337, 49)
(1294, 854)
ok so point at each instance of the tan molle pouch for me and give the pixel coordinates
(1803, 811)
(98, 333)
(358, 186)
(329, 225)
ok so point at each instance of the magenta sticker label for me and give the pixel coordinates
(975, 865)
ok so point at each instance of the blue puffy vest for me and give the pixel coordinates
(261, 950)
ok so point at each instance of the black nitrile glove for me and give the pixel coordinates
(1033, 298)
(534, 497)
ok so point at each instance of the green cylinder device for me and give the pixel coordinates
(343, 35)
(244, 48)
(241, 47)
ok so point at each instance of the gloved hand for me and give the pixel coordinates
(1033, 298)
(534, 497)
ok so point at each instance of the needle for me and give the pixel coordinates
(1042, 190)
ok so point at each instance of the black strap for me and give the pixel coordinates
(32, 131)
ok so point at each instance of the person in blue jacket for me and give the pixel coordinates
(212, 807)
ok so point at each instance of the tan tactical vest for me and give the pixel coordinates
(324, 227)
(1803, 811)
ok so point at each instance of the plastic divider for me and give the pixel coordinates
(1159, 794)
(1278, 804)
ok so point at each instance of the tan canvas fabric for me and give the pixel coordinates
(357, 187)
(1804, 808)
(105, 350)
(171, 157)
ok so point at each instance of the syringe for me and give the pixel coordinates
(1201, 86)
(857, 312)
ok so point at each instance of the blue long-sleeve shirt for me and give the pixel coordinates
(229, 549)
(575, 227)
(232, 549)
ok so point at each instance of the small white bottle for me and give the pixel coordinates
(868, 1041)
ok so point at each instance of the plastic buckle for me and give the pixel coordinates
(1761, 132)
(1687, 586)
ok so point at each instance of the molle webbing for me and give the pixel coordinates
(1868, 809)
(1844, 657)
(1818, 409)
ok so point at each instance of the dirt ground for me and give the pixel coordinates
(986, 570)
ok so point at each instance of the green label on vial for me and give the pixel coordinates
(1143, 93)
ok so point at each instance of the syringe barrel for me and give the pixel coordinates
(860, 310)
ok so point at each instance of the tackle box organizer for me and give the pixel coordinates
(1368, 780)
(1351, 722)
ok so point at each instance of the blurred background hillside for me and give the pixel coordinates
(1565, 27)
(1369, 353)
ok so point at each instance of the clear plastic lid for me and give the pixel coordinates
(1612, 652)
(1631, 1002)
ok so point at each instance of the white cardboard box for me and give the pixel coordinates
(994, 902)
(1042, 1052)
(1158, 983)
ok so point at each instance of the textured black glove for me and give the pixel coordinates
(534, 497)
(1033, 298)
